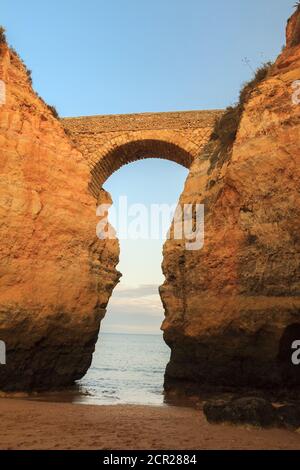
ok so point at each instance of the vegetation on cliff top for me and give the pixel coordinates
(2, 35)
(15, 54)
(53, 110)
(225, 130)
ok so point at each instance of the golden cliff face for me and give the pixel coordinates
(227, 306)
(56, 276)
(230, 308)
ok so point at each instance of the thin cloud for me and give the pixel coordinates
(143, 290)
(134, 329)
(141, 306)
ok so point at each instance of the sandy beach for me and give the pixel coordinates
(26, 424)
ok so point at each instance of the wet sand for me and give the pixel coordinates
(26, 424)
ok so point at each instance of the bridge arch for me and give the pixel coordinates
(134, 150)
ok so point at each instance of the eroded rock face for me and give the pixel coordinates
(227, 306)
(56, 276)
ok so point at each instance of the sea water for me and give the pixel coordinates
(126, 368)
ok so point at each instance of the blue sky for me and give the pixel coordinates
(123, 56)
(135, 305)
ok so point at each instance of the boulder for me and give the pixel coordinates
(247, 410)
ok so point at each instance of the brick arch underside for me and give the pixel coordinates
(133, 151)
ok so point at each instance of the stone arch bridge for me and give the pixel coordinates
(111, 141)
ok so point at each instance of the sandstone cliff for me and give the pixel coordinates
(232, 308)
(56, 276)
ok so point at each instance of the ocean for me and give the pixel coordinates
(126, 369)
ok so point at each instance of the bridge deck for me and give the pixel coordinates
(142, 121)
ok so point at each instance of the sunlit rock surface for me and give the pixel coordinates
(56, 276)
(231, 308)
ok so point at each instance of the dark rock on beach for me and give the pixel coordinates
(247, 410)
(253, 410)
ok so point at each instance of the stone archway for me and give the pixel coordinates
(132, 151)
(109, 142)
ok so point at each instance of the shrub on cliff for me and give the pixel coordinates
(53, 111)
(16, 56)
(28, 73)
(225, 129)
(260, 75)
(2, 35)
